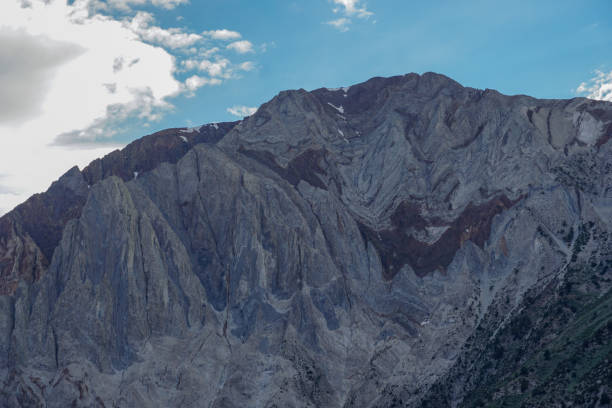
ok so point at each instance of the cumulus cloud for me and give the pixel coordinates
(167, 4)
(104, 62)
(141, 25)
(598, 87)
(340, 23)
(241, 111)
(241, 47)
(219, 68)
(222, 34)
(194, 82)
(246, 66)
(142, 105)
(348, 9)
(64, 70)
(74, 76)
(352, 7)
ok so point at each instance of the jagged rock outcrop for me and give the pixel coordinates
(30, 233)
(341, 248)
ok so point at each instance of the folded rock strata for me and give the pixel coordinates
(338, 248)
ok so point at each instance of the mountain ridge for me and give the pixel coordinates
(336, 248)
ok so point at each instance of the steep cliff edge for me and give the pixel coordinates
(30, 233)
(342, 247)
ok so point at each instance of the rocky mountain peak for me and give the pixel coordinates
(341, 247)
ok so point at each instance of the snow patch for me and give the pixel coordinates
(214, 125)
(342, 134)
(343, 89)
(192, 129)
(338, 108)
(589, 128)
(436, 232)
(184, 139)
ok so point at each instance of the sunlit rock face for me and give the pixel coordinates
(339, 248)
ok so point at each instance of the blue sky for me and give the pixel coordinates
(80, 78)
(544, 48)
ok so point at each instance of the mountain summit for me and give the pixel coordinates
(406, 241)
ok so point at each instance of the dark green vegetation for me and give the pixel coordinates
(555, 351)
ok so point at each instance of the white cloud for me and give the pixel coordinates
(190, 64)
(349, 9)
(126, 5)
(31, 169)
(223, 34)
(194, 82)
(170, 37)
(242, 111)
(218, 68)
(28, 64)
(209, 52)
(598, 87)
(142, 105)
(168, 4)
(73, 76)
(246, 66)
(221, 68)
(241, 47)
(340, 23)
(266, 46)
(352, 7)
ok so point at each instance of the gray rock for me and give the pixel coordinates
(337, 248)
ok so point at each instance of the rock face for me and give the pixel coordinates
(370, 246)
(31, 232)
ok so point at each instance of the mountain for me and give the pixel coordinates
(406, 241)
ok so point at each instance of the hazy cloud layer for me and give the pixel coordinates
(8, 195)
(27, 65)
(6, 190)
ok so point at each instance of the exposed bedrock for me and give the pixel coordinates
(337, 248)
